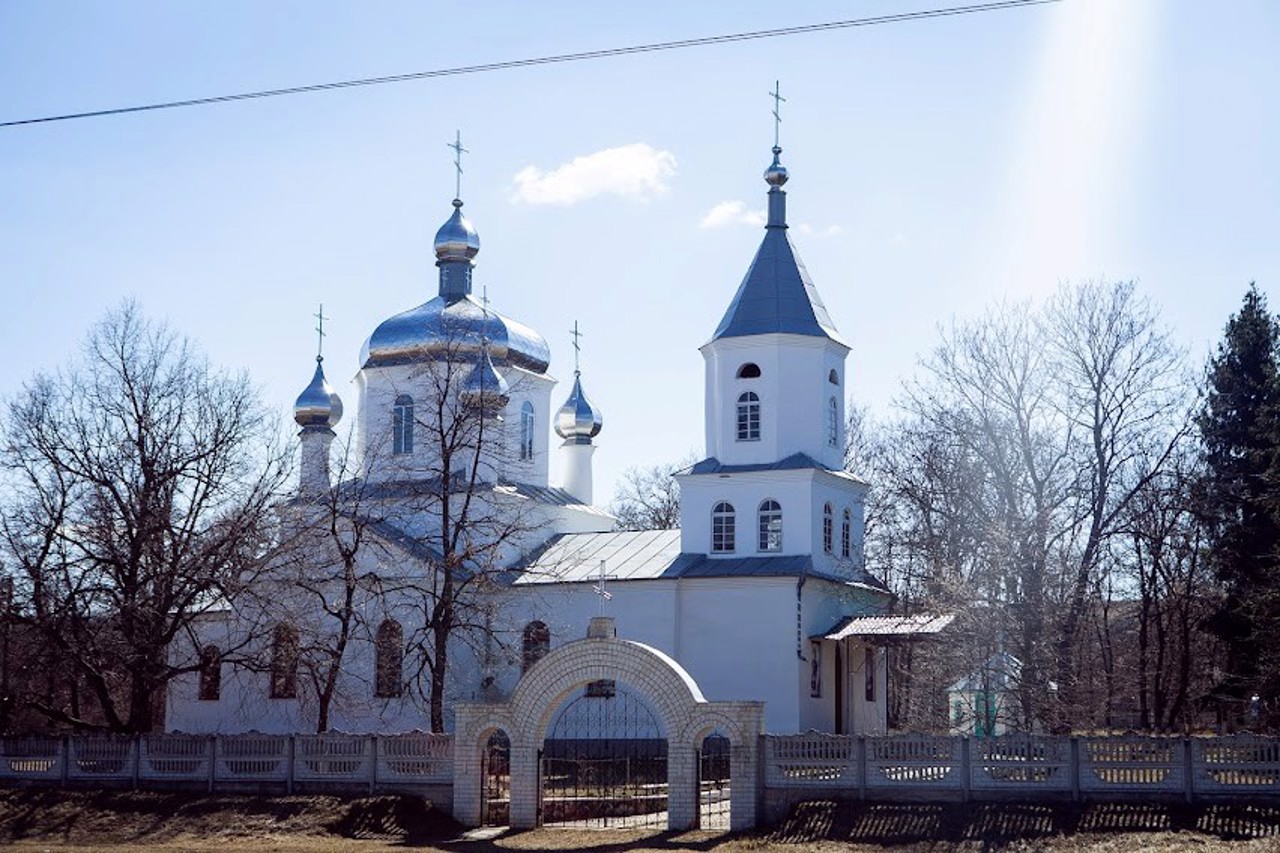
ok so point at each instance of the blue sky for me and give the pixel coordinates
(937, 168)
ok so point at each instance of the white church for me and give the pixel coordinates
(761, 594)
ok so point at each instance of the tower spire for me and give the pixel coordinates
(776, 175)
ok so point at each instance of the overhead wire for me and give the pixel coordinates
(679, 44)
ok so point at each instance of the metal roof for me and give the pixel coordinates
(888, 626)
(794, 462)
(777, 295)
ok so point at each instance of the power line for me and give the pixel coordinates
(704, 41)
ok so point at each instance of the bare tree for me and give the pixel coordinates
(648, 498)
(138, 483)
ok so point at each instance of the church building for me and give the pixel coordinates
(761, 594)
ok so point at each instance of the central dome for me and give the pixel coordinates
(456, 328)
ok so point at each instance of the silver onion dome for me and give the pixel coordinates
(318, 405)
(457, 239)
(578, 421)
(484, 388)
(448, 328)
(776, 174)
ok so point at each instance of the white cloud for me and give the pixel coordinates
(820, 233)
(731, 213)
(637, 171)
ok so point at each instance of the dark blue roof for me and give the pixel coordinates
(777, 295)
(794, 462)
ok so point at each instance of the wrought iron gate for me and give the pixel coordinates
(495, 781)
(713, 782)
(604, 761)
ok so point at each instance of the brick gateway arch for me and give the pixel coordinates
(673, 694)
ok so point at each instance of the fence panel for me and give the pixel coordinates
(1236, 764)
(175, 758)
(914, 761)
(1131, 764)
(415, 758)
(253, 758)
(34, 757)
(101, 757)
(332, 758)
(811, 760)
(1027, 763)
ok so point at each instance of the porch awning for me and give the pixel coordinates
(887, 627)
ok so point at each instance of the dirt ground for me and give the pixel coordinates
(79, 822)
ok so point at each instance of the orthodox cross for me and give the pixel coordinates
(458, 151)
(604, 594)
(577, 347)
(778, 100)
(320, 318)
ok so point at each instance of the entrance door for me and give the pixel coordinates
(604, 761)
(495, 781)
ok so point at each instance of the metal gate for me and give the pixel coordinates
(495, 781)
(604, 761)
(713, 782)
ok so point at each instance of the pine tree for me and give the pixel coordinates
(1240, 430)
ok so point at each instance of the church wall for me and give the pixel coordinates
(841, 494)
(700, 493)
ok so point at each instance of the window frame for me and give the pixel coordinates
(748, 420)
(535, 644)
(388, 666)
(285, 648)
(833, 422)
(828, 528)
(210, 674)
(846, 533)
(402, 425)
(528, 417)
(769, 526)
(723, 528)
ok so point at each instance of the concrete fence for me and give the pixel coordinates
(943, 768)
(417, 761)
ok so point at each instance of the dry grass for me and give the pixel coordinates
(112, 822)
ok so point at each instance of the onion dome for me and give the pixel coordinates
(454, 324)
(319, 405)
(484, 388)
(578, 421)
(776, 174)
(457, 239)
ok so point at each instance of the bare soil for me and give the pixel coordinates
(112, 822)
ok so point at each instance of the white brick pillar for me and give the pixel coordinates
(524, 787)
(743, 781)
(682, 787)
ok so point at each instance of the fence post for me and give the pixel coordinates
(373, 763)
(137, 759)
(66, 759)
(213, 760)
(862, 767)
(1073, 768)
(289, 765)
(966, 780)
(1188, 770)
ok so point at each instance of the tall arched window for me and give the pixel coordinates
(537, 642)
(833, 422)
(833, 377)
(284, 662)
(388, 675)
(402, 425)
(722, 532)
(846, 533)
(210, 673)
(770, 526)
(526, 431)
(749, 417)
(828, 527)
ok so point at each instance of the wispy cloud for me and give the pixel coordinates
(637, 171)
(737, 213)
(731, 213)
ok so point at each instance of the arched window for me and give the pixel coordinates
(750, 370)
(402, 425)
(833, 377)
(526, 431)
(388, 675)
(537, 642)
(749, 417)
(722, 532)
(846, 533)
(828, 527)
(284, 662)
(770, 526)
(210, 673)
(833, 422)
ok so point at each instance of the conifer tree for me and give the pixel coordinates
(1240, 430)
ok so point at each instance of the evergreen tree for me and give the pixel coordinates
(1240, 430)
